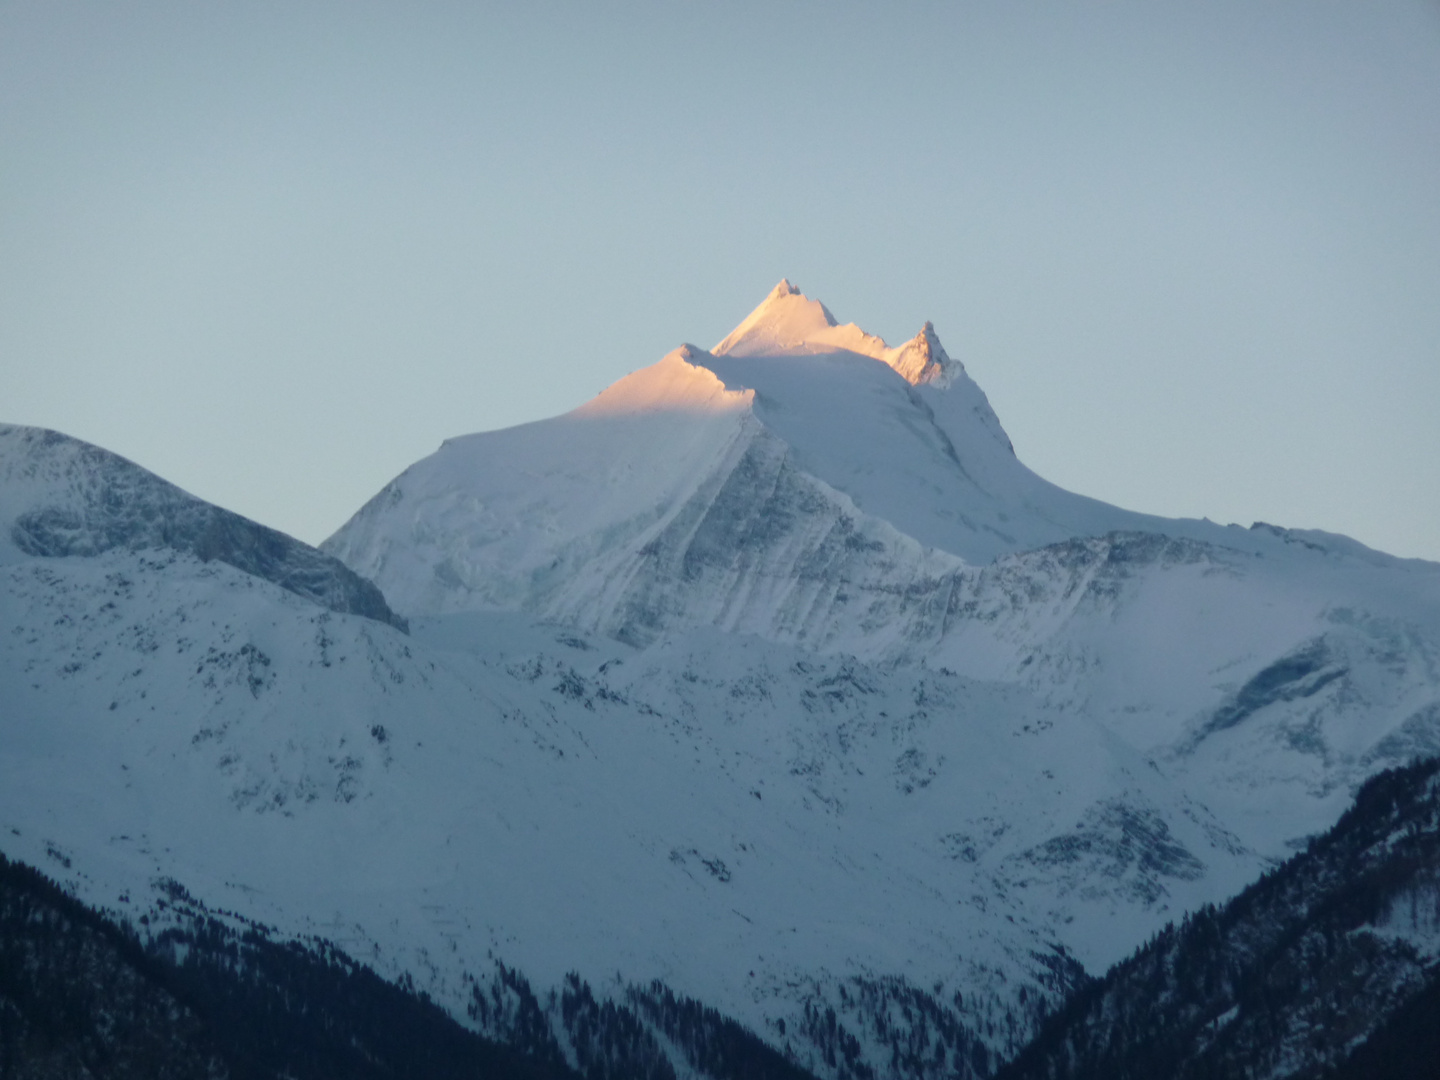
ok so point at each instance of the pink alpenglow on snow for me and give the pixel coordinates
(678, 383)
(787, 323)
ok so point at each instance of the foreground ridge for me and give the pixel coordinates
(211, 994)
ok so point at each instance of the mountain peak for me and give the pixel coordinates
(923, 359)
(788, 323)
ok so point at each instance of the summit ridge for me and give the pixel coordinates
(788, 323)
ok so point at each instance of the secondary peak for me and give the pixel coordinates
(923, 359)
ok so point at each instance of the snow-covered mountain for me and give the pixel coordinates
(771, 674)
(785, 483)
(788, 485)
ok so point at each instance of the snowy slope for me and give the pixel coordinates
(924, 451)
(755, 827)
(773, 831)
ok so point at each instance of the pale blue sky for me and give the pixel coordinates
(276, 252)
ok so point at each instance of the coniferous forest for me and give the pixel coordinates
(82, 996)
